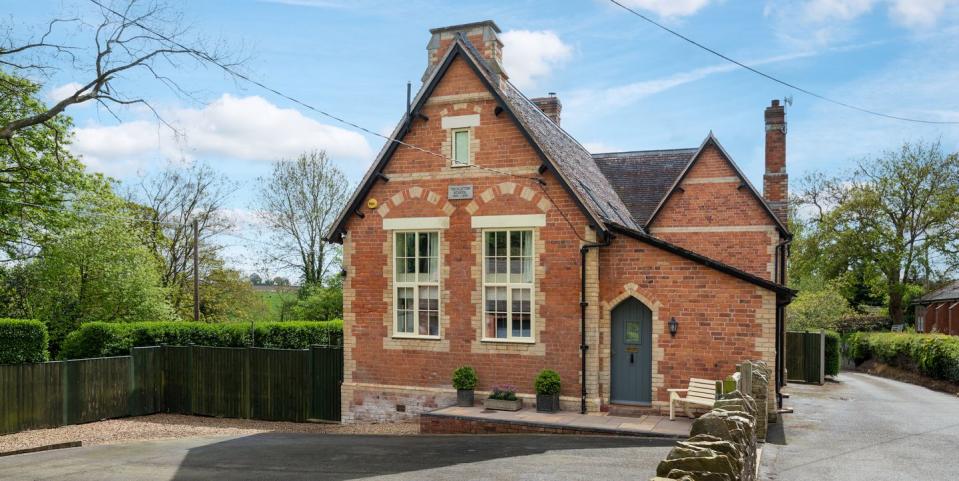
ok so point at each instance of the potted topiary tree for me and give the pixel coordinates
(547, 391)
(464, 380)
(503, 398)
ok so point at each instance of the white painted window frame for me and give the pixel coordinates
(469, 138)
(509, 290)
(416, 286)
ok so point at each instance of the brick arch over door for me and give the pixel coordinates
(630, 290)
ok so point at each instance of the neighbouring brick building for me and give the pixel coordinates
(506, 246)
(938, 311)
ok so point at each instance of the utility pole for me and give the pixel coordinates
(196, 270)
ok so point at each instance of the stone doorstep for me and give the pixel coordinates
(649, 426)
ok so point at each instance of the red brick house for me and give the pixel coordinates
(938, 311)
(517, 250)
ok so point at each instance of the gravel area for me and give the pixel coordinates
(166, 426)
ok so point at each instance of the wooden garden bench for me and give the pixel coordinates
(701, 392)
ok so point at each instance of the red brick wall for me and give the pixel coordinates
(716, 218)
(425, 363)
(722, 320)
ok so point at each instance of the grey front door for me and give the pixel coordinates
(631, 353)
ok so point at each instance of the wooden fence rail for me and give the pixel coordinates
(252, 383)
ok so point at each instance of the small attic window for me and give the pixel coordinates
(461, 147)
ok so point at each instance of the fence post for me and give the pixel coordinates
(132, 404)
(822, 357)
(191, 379)
(247, 378)
(65, 386)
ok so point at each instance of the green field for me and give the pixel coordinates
(274, 303)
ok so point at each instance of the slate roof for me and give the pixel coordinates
(642, 178)
(570, 158)
(949, 292)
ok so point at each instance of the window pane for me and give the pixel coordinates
(521, 260)
(632, 331)
(461, 144)
(429, 311)
(404, 309)
(496, 314)
(521, 313)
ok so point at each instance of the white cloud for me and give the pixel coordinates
(668, 8)
(827, 21)
(532, 55)
(61, 92)
(244, 128)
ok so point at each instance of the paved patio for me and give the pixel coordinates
(568, 421)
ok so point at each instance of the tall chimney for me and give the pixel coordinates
(775, 180)
(483, 35)
(550, 106)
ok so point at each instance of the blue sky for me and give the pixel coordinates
(625, 84)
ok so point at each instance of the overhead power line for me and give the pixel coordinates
(777, 80)
(232, 71)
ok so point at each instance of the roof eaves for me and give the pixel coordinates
(706, 261)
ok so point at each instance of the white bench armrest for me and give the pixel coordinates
(678, 390)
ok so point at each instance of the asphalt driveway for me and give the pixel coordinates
(865, 427)
(342, 457)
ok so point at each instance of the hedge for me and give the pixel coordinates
(23, 341)
(932, 355)
(833, 353)
(99, 339)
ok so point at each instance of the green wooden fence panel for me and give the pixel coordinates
(30, 396)
(805, 357)
(280, 384)
(218, 381)
(147, 396)
(269, 384)
(97, 389)
(327, 378)
(175, 380)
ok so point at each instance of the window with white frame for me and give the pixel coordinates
(461, 147)
(508, 284)
(416, 257)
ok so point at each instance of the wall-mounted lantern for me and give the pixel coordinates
(673, 327)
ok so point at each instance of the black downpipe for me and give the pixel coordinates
(781, 251)
(583, 347)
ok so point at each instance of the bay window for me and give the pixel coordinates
(508, 285)
(416, 281)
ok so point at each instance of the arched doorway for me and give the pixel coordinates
(631, 353)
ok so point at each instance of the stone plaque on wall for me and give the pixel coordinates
(460, 192)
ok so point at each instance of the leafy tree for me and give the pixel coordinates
(96, 270)
(255, 279)
(818, 308)
(172, 199)
(320, 302)
(895, 220)
(226, 296)
(37, 175)
(298, 203)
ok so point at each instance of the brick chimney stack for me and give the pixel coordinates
(483, 35)
(775, 180)
(551, 106)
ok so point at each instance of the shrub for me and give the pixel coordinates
(23, 341)
(547, 382)
(864, 322)
(100, 339)
(504, 392)
(932, 355)
(833, 353)
(464, 378)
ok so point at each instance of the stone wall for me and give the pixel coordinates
(722, 443)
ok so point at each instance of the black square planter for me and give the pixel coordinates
(464, 398)
(547, 403)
